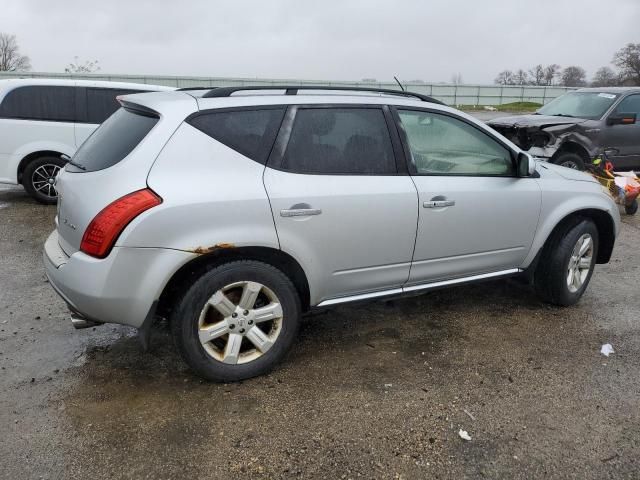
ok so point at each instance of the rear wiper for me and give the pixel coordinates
(68, 160)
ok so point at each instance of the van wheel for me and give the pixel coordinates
(236, 321)
(570, 160)
(567, 263)
(39, 178)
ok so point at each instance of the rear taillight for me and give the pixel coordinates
(105, 228)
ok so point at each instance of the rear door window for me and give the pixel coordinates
(102, 103)
(249, 132)
(40, 102)
(328, 141)
(113, 140)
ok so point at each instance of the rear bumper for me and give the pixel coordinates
(121, 288)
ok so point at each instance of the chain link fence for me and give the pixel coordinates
(450, 94)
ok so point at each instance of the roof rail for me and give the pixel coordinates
(184, 89)
(293, 90)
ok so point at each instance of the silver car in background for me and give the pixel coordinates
(233, 211)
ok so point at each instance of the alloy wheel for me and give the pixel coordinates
(43, 179)
(240, 322)
(580, 263)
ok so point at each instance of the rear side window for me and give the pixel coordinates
(249, 132)
(340, 141)
(102, 103)
(40, 102)
(113, 140)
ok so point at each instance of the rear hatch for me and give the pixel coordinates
(115, 160)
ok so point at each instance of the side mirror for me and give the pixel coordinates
(621, 119)
(525, 165)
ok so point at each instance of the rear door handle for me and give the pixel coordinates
(300, 212)
(439, 203)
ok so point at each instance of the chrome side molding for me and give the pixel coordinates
(422, 286)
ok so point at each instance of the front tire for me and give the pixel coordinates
(567, 263)
(236, 321)
(570, 160)
(38, 179)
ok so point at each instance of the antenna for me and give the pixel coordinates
(398, 82)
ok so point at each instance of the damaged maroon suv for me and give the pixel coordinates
(577, 127)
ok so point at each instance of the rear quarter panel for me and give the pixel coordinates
(212, 197)
(82, 195)
(19, 138)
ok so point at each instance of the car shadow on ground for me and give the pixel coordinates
(404, 326)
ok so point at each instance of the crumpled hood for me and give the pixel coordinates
(541, 121)
(566, 173)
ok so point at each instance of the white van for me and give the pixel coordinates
(42, 120)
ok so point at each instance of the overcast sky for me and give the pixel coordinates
(329, 39)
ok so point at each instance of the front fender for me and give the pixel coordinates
(558, 205)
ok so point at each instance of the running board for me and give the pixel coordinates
(422, 286)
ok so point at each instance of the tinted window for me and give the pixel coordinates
(441, 144)
(102, 103)
(340, 141)
(113, 140)
(250, 132)
(40, 102)
(631, 104)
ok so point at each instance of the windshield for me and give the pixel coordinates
(589, 105)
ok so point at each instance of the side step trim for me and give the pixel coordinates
(422, 286)
(363, 296)
(455, 281)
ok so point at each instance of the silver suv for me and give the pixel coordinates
(234, 210)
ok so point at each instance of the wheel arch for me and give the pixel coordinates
(571, 146)
(193, 269)
(606, 232)
(33, 156)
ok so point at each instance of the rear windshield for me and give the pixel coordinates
(112, 141)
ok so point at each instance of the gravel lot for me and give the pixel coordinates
(375, 391)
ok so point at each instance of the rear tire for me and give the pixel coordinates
(564, 270)
(570, 160)
(38, 178)
(214, 324)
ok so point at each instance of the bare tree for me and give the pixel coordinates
(627, 59)
(550, 73)
(89, 66)
(505, 77)
(537, 75)
(10, 58)
(521, 78)
(574, 76)
(605, 77)
(456, 78)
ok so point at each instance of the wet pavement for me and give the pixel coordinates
(375, 391)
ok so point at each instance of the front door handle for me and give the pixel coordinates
(439, 203)
(300, 212)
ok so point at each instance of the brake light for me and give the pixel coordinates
(104, 229)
